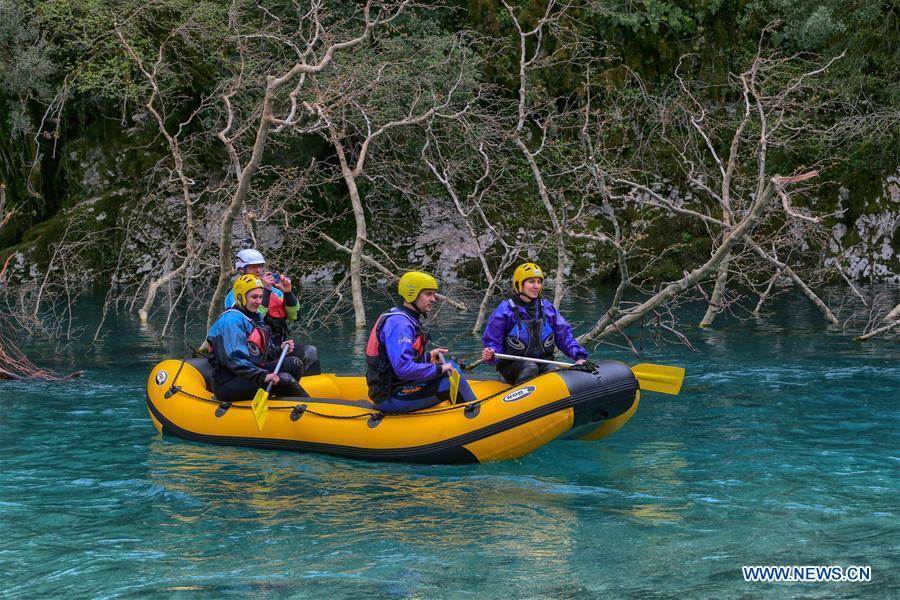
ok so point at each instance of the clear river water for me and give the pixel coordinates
(782, 449)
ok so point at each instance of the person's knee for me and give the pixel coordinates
(310, 354)
(293, 366)
(288, 386)
(528, 371)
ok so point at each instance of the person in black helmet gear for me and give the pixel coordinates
(527, 325)
(279, 306)
(402, 375)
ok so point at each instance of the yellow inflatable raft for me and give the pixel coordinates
(504, 422)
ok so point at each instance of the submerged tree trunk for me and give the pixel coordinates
(359, 309)
(716, 301)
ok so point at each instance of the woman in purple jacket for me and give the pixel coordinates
(527, 325)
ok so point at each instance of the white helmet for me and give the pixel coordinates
(248, 256)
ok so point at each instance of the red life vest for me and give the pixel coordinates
(276, 308)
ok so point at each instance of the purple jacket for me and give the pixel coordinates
(503, 321)
(398, 337)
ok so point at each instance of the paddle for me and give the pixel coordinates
(454, 380)
(653, 378)
(260, 402)
(659, 378)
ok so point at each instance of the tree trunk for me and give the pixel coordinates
(716, 300)
(561, 263)
(359, 309)
(237, 200)
(694, 277)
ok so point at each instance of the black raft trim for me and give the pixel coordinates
(609, 391)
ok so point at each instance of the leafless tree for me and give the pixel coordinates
(775, 110)
(315, 46)
(365, 102)
(528, 118)
(156, 106)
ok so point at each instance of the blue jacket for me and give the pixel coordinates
(503, 321)
(230, 344)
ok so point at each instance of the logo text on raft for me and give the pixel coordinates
(519, 394)
(161, 377)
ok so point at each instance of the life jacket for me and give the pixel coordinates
(380, 375)
(276, 318)
(257, 341)
(530, 337)
(276, 308)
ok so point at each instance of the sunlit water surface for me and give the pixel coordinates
(782, 449)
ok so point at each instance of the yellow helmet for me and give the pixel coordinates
(414, 282)
(523, 272)
(244, 284)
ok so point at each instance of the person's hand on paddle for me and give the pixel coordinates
(289, 344)
(487, 354)
(435, 354)
(446, 368)
(580, 361)
(272, 378)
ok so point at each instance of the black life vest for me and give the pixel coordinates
(530, 337)
(380, 375)
(276, 318)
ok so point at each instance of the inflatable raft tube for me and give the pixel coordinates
(503, 423)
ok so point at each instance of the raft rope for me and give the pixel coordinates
(174, 389)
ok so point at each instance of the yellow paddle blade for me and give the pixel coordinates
(454, 385)
(260, 406)
(659, 378)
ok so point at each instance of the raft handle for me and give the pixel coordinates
(298, 412)
(375, 420)
(471, 411)
(223, 408)
(171, 392)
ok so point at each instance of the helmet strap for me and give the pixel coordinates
(413, 306)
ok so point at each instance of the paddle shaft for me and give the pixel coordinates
(654, 378)
(284, 352)
(529, 359)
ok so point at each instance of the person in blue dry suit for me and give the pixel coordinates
(401, 375)
(527, 325)
(239, 345)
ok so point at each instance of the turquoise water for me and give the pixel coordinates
(781, 449)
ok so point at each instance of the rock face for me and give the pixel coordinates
(867, 250)
(135, 231)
